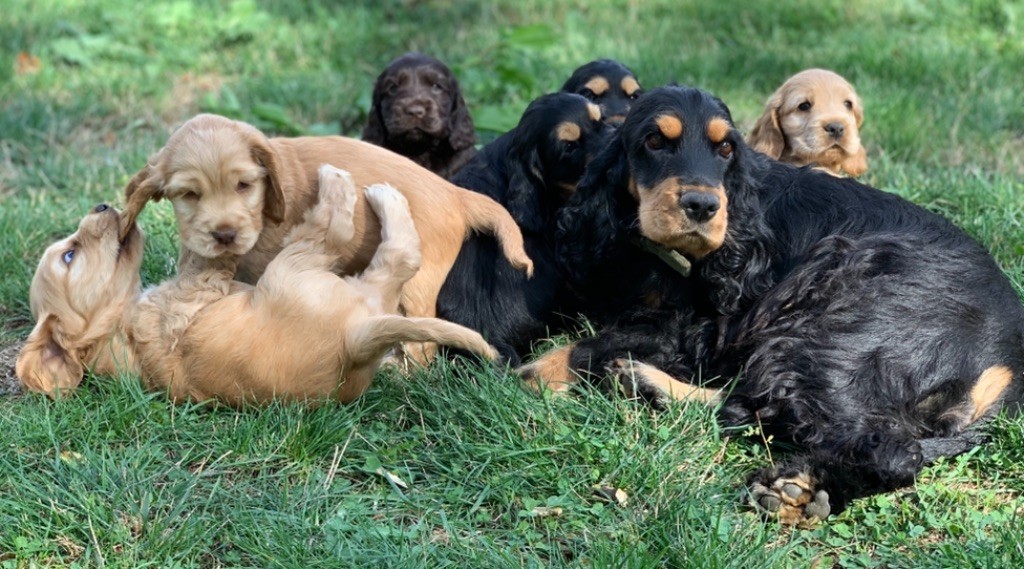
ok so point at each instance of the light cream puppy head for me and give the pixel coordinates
(813, 118)
(221, 176)
(78, 296)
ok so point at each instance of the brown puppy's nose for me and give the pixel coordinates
(835, 129)
(699, 206)
(224, 236)
(417, 110)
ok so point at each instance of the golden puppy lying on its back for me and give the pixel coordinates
(300, 333)
(814, 119)
(237, 193)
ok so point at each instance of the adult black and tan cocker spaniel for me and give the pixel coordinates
(874, 335)
(531, 170)
(607, 83)
(418, 111)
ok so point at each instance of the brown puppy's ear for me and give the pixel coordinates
(460, 123)
(45, 365)
(858, 110)
(856, 164)
(273, 198)
(374, 131)
(767, 134)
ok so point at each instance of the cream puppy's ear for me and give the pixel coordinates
(46, 364)
(767, 136)
(147, 184)
(266, 156)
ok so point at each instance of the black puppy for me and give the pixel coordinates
(418, 111)
(531, 170)
(871, 333)
(607, 83)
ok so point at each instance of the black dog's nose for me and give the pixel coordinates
(699, 206)
(101, 207)
(835, 129)
(224, 237)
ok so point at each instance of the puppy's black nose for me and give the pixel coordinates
(835, 129)
(699, 206)
(224, 237)
(101, 207)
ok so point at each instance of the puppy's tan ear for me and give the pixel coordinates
(858, 110)
(767, 134)
(44, 364)
(856, 164)
(273, 198)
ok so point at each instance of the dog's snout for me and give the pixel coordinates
(835, 129)
(699, 206)
(417, 110)
(101, 208)
(224, 236)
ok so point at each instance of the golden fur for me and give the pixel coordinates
(801, 136)
(300, 333)
(225, 176)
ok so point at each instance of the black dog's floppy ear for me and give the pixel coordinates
(373, 131)
(589, 223)
(462, 132)
(522, 196)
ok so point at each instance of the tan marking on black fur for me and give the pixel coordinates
(674, 388)
(991, 384)
(663, 221)
(594, 111)
(718, 129)
(670, 126)
(568, 131)
(551, 371)
(629, 85)
(597, 85)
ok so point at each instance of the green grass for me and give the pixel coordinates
(457, 466)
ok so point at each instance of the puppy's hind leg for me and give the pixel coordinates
(398, 257)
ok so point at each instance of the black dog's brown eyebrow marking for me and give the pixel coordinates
(597, 85)
(595, 111)
(670, 126)
(568, 131)
(718, 129)
(629, 85)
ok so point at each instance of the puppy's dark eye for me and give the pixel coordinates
(190, 195)
(68, 256)
(588, 94)
(725, 149)
(571, 145)
(391, 88)
(849, 104)
(804, 106)
(437, 88)
(634, 96)
(655, 142)
(243, 187)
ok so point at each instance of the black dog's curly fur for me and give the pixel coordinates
(615, 102)
(531, 170)
(861, 327)
(418, 111)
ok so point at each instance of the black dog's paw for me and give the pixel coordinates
(793, 500)
(629, 380)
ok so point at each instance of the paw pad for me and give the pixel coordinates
(793, 500)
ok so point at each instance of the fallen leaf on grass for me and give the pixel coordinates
(611, 494)
(27, 64)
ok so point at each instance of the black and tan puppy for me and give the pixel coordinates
(531, 170)
(418, 111)
(873, 335)
(608, 84)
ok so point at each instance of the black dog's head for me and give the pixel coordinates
(609, 84)
(417, 103)
(676, 172)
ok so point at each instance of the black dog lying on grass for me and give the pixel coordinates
(874, 335)
(531, 170)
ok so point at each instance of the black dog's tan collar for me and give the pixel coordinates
(673, 259)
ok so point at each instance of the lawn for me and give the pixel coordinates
(457, 466)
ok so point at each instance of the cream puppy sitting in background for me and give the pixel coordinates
(300, 333)
(814, 119)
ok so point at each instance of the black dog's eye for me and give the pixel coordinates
(655, 142)
(571, 145)
(804, 106)
(634, 96)
(849, 104)
(725, 149)
(391, 88)
(437, 88)
(588, 94)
